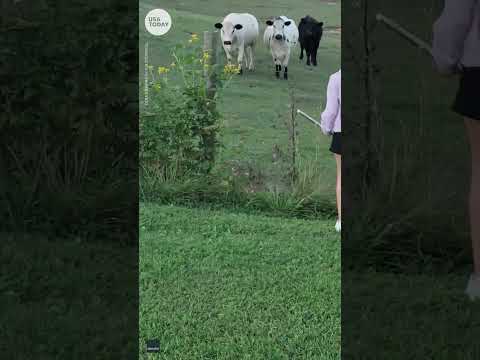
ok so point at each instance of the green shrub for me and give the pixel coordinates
(180, 126)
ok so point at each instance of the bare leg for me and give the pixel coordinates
(338, 158)
(473, 131)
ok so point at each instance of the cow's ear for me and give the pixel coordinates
(287, 23)
(238, 26)
(269, 22)
(219, 25)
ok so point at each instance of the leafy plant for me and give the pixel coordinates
(179, 128)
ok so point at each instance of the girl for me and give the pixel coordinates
(331, 125)
(456, 50)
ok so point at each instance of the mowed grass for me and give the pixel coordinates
(217, 285)
(255, 105)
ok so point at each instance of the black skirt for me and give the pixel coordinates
(467, 101)
(335, 147)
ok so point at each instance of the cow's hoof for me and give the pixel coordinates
(314, 64)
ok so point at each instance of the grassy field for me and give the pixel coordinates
(217, 285)
(254, 106)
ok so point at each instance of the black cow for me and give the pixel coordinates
(311, 32)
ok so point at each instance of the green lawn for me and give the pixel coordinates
(217, 285)
(255, 105)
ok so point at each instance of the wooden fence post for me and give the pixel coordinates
(210, 40)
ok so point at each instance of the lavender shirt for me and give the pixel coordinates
(331, 116)
(456, 35)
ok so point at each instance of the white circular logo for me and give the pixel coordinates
(158, 22)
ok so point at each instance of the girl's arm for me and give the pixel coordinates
(450, 32)
(332, 107)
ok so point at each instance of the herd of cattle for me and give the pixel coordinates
(239, 34)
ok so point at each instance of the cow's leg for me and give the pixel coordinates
(252, 58)
(314, 54)
(309, 54)
(248, 58)
(241, 55)
(301, 51)
(285, 65)
(229, 56)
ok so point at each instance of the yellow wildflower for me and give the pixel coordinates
(163, 70)
(194, 37)
(172, 65)
(206, 56)
(231, 69)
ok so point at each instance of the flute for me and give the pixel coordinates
(306, 116)
(405, 33)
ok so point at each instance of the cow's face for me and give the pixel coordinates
(312, 28)
(229, 32)
(278, 26)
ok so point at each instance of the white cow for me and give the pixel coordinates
(281, 35)
(239, 34)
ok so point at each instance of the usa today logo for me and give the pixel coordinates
(158, 22)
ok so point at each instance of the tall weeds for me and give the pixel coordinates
(68, 146)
